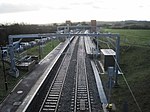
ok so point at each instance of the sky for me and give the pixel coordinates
(58, 11)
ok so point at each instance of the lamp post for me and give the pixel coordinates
(5, 78)
(40, 43)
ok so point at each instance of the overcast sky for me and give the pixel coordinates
(57, 11)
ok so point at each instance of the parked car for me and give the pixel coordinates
(37, 41)
(25, 45)
(32, 43)
(49, 38)
(19, 49)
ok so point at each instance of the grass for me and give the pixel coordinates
(134, 62)
(132, 36)
(13, 81)
(136, 69)
(45, 49)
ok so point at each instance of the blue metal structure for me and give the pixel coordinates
(76, 27)
(15, 71)
(64, 34)
(13, 45)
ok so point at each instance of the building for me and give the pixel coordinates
(107, 58)
(68, 22)
(93, 25)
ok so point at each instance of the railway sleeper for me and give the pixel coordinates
(51, 100)
(82, 104)
(49, 106)
(50, 103)
(55, 90)
(52, 97)
(48, 109)
(54, 93)
(82, 89)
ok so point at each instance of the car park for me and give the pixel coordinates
(32, 43)
(25, 45)
(48, 38)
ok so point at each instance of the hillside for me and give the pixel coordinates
(128, 24)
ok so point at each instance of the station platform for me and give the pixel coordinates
(23, 92)
(89, 46)
(99, 84)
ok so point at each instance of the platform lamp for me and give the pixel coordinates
(5, 78)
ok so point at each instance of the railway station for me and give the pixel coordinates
(68, 79)
(74, 56)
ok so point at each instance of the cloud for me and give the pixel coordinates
(75, 4)
(81, 3)
(12, 8)
(56, 7)
(97, 7)
(64, 8)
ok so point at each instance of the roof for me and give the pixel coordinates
(108, 52)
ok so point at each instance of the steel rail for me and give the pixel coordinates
(89, 101)
(51, 86)
(82, 97)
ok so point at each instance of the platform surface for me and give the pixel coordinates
(89, 45)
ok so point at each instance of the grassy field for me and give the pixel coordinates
(13, 81)
(133, 37)
(45, 49)
(135, 64)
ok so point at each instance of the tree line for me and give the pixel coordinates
(15, 29)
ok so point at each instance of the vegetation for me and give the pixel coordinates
(132, 36)
(46, 48)
(15, 29)
(134, 59)
(129, 24)
(134, 62)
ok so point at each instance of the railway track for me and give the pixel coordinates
(52, 98)
(73, 89)
(81, 96)
(68, 84)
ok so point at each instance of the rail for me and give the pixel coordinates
(52, 98)
(82, 97)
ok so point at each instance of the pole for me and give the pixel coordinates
(97, 48)
(39, 51)
(125, 107)
(117, 60)
(13, 71)
(110, 75)
(5, 77)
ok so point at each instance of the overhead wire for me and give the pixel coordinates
(126, 82)
(110, 42)
(103, 41)
(123, 76)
